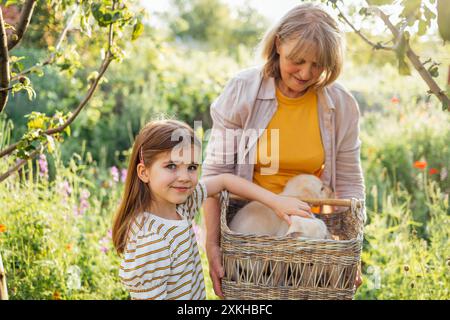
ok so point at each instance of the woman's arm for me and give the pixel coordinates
(282, 205)
(211, 209)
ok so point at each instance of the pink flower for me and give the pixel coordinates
(43, 165)
(115, 173)
(123, 175)
(84, 203)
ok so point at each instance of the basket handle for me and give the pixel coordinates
(316, 202)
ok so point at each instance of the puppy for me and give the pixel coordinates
(255, 218)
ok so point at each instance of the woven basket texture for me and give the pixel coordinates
(282, 268)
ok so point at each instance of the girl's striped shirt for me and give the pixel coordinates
(161, 258)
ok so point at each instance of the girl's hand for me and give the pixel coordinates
(285, 206)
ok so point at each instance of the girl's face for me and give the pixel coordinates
(297, 76)
(172, 177)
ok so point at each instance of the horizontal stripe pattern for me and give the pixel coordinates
(161, 259)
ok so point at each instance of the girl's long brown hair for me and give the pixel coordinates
(154, 138)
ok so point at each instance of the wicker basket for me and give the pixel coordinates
(267, 267)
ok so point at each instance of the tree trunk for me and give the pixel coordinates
(3, 288)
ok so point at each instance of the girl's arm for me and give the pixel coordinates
(282, 205)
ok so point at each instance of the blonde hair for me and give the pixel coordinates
(154, 138)
(311, 26)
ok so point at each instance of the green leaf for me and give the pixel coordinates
(378, 2)
(434, 71)
(67, 131)
(51, 144)
(443, 20)
(423, 26)
(138, 29)
(403, 68)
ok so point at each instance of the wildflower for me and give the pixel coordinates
(69, 247)
(123, 175)
(433, 171)
(103, 244)
(65, 187)
(2, 228)
(406, 267)
(444, 173)
(115, 173)
(420, 165)
(84, 203)
(395, 100)
(110, 234)
(74, 279)
(43, 166)
(56, 296)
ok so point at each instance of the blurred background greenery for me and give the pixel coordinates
(56, 215)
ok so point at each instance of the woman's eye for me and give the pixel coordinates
(192, 168)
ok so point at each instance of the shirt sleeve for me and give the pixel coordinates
(227, 118)
(195, 200)
(145, 267)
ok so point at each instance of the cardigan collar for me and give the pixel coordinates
(267, 91)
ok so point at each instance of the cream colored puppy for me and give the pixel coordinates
(255, 218)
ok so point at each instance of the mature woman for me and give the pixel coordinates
(292, 109)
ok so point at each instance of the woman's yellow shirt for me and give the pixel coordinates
(300, 147)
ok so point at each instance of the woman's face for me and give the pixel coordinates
(297, 76)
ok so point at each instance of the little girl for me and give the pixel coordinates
(153, 225)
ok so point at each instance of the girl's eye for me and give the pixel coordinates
(171, 166)
(192, 168)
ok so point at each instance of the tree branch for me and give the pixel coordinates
(362, 36)
(5, 89)
(104, 66)
(25, 17)
(18, 165)
(51, 58)
(412, 56)
(4, 64)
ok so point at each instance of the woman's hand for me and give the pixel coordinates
(285, 206)
(216, 272)
(359, 279)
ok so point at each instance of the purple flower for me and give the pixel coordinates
(115, 173)
(84, 203)
(104, 243)
(85, 194)
(123, 175)
(65, 188)
(43, 165)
